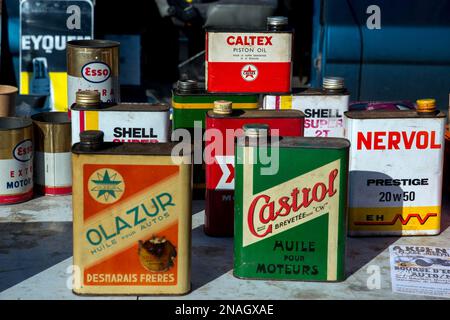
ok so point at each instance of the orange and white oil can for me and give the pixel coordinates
(396, 163)
(131, 217)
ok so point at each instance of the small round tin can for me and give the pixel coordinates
(53, 166)
(93, 65)
(16, 160)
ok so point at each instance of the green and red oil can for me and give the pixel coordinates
(291, 224)
(225, 122)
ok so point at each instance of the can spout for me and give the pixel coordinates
(426, 106)
(222, 107)
(91, 140)
(88, 98)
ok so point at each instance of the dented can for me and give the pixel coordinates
(16, 160)
(131, 217)
(52, 161)
(93, 65)
(396, 161)
(190, 103)
(124, 122)
(323, 108)
(258, 61)
(219, 156)
(291, 225)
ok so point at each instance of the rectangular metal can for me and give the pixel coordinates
(291, 225)
(93, 65)
(324, 111)
(131, 219)
(16, 160)
(219, 206)
(52, 157)
(396, 161)
(248, 61)
(125, 122)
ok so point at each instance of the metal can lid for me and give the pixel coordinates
(277, 21)
(426, 105)
(93, 43)
(256, 130)
(87, 98)
(333, 83)
(187, 85)
(91, 137)
(222, 107)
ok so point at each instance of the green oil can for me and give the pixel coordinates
(290, 224)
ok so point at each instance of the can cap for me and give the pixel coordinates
(256, 130)
(222, 107)
(426, 105)
(88, 98)
(91, 139)
(277, 21)
(187, 85)
(333, 83)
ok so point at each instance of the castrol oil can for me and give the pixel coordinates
(190, 103)
(396, 160)
(131, 217)
(222, 125)
(323, 108)
(250, 60)
(124, 122)
(93, 65)
(290, 224)
(16, 160)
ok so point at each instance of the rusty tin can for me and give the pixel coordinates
(323, 108)
(124, 122)
(190, 103)
(16, 160)
(93, 65)
(52, 157)
(291, 225)
(396, 161)
(258, 61)
(131, 217)
(219, 205)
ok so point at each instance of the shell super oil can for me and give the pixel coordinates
(131, 217)
(219, 156)
(395, 179)
(290, 224)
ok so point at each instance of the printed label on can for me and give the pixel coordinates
(324, 114)
(249, 62)
(395, 176)
(130, 231)
(96, 72)
(123, 126)
(54, 172)
(108, 87)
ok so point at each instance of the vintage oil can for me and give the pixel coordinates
(16, 160)
(219, 205)
(190, 103)
(131, 217)
(323, 108)
(291, 224)
(52, 158)
(257, 61)
(124, 122)
(93, 65)
(396, 160)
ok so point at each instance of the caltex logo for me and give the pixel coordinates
(106, 186)
(249, 72)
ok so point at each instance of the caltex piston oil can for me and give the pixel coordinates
(16, 160)
(124, 122)
(250, 60)
(219, 156)
(93, 65)
(290, 224)
(323, 108)
(131, 217)
(396, 160)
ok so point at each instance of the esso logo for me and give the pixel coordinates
(23, 152)
(96, 72)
